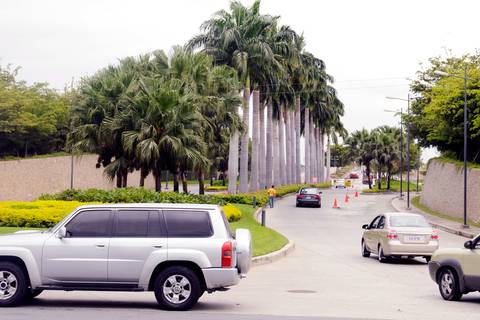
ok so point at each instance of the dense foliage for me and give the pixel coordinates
(437, 111)
(380, 149)
(33, 119)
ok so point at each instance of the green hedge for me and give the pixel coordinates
(140, 195)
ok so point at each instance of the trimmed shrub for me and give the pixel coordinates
(38, 214)
(216, 188)
(232, 213)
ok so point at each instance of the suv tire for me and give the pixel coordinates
(13, 284)
(365, 252)
(177, 288)
(448, 285)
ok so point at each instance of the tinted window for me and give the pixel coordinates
(131, 223)
(91, 223)
(309, 191)
(182, 223)
(409, 221)
(373, 225)
(381, 223)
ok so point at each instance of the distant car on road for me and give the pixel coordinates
(178, 251)
(354, 175)
(339, 184)
(457, 270)
(309, 197)
(399, 234)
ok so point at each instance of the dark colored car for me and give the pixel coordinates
(309, 197)
(353, 175)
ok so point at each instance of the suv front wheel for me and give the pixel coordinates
(448, 285)
(177, 288)
(13, 284)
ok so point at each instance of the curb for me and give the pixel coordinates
(462, 233)
(275, 255)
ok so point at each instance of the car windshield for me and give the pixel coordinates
(309, 191)
(409, 221)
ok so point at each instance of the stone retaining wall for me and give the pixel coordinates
(443, 190)
(27, 179)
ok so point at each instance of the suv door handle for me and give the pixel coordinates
(100, 245)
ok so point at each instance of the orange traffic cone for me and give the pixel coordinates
(346, 198)
(356, 194)
(335, 204)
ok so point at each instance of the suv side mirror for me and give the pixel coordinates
(365, 226)
(62, 233)
(468, 244)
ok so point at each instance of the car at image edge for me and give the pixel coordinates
(399, 234)
(178, 251)
(457, 270)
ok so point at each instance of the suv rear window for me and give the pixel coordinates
(188, 224)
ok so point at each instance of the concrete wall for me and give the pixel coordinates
(28, 179)
(443, 190)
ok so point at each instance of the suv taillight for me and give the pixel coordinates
(227, 252)
(392, 234)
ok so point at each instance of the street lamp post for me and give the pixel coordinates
(465, 136)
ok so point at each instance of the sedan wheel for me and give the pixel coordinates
(365, 252)
(381, 256)
(448, 285)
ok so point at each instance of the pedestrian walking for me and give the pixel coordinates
(272, 193)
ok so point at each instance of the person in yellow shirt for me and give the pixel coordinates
(272, 193)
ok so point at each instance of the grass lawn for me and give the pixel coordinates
(265, 240)
(6, 230)
(394, 187)
(424, 208)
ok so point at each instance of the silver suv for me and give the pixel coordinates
(178, 251)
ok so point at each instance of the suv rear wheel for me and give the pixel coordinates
(177, 288)
(13, 284)
(448, 285)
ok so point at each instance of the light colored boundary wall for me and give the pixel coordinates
(27, 179)
(443, 190)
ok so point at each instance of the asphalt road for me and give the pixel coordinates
(324, 278)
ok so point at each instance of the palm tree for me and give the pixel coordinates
(361, 146)
(238, 38)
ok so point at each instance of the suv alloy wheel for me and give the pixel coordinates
(177, 288)
(448, 285)
(13, 284)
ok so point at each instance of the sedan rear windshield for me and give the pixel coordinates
(409, 221)
(309, 191)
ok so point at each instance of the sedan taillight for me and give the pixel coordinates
(392, 234)
(434, 235)
(300, 196)
(227, 252)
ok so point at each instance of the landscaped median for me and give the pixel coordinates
(394, 187)
(50, 209)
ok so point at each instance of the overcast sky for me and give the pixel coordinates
(370, 47)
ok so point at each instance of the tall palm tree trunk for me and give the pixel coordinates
(288, 159)
(262, 157)
(176, 187)
(233, 162)
(317, 155)
(312, 151)
(322, 156)
(293, 147)
(270, 143)
(184, 182)
(281, 129)
(244, 147)
(328, 159)
(201, 182)
(276, 152)
(255, 142)
(307, 145)
(298, 169)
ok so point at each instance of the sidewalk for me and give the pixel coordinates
(443, 224)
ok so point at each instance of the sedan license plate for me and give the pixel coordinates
(414, 239)
(308, 197)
